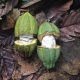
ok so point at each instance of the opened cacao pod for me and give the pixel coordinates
(26, 27)
(48, 54)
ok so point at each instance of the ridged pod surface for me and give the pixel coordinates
(48, 28)
(48, 56)
(26, 49)
(26, 24)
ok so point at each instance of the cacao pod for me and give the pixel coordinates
(26, 48)
(48, 28)
(48, 55)
(26, 24)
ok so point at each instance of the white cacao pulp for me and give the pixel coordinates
(49, 41)
(26, 38)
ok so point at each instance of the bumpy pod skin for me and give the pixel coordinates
(48, 56)
(26, 24)
(26, 50)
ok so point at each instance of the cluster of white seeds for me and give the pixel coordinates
(26, 38)
(48, 41)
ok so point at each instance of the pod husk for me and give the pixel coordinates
(26, 24)
(48, 28)
(26, 50)
(48, 56)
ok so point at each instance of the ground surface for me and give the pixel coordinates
(13, 66)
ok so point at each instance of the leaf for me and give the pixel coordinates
(75, 5)
(27, 3)
(58, 10)
(9, 20)
(8, 63)
(8, 7)
(70, 27)
(6, 38)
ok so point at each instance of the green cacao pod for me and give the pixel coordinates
(26, 48)
(26, 24)
(48, 28)
(48, 52)
(25, 28)
(48, 55)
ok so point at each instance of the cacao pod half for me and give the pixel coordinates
(26, 26)
(48, 55)
(26, 48)
(48, 28)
